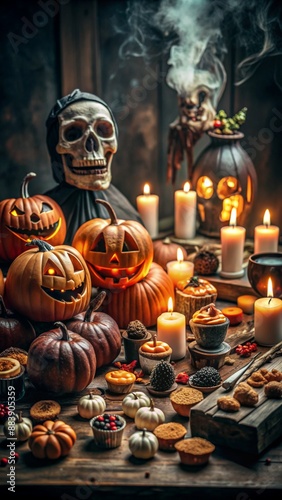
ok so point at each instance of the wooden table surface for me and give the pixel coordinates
(91, 473)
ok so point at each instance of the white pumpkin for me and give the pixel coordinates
(91, 405)
(143, 444)
(149, 417)
(133, 401)
(20, 429)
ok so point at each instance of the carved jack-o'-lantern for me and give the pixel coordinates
(224, 177)
(26, 218)
(118, 253)
(48, 283)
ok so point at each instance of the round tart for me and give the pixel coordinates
(168, 434)
(45, 410)
(120, 381)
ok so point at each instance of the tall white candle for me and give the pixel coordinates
(232, 248)
(268, 318)
(185, 213)
(148, 208)
(171, 328)
(266, 236)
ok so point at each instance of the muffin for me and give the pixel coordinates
(194, 451)
(107, 430)
(184, 398)
(168, 434)
(120, 381)
(192, 294)
(209, 326)
(152, 352)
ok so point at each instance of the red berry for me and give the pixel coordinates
(217, 123)
(4, 462)
(112, 418)
(100, 418)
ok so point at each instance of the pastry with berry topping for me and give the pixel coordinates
(107, 430)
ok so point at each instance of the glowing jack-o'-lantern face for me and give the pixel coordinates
(118, 253)
(52, 283)
(26, 218)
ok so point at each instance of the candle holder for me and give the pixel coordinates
(262, 266)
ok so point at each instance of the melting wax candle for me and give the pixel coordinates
(266, 236)
(268, 318)
(148, 208)
(185, 212)
(179, 269)
(232, 248)
(171, 328)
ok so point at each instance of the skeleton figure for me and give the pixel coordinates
(82, 140)
(196, 117)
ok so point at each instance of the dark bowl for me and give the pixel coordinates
(262, 266)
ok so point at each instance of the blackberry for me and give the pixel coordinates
(206, 377)
(162, 376)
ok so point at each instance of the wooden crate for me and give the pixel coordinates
(250, 430)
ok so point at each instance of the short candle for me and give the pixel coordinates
(148, 208)
(180, 269)
(268, 318)
(266, 236)
(232, 248)
(171, 328)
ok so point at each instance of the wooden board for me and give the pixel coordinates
(250, 430)
(231, 289)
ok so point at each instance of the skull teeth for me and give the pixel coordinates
(89, 163)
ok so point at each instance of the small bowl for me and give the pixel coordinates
(107, 438)
(184, 398)
(194, 451)
(209, 336)
(262, 266)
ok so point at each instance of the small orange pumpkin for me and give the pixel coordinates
(145, 300)
(118, 252)
(165, 251)
(48, 283)
(29, 217)
(51, 439)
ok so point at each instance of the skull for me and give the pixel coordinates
(196, 110)
(87, 143)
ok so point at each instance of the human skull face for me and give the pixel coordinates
(87, 143)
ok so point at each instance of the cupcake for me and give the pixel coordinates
(192, 294)
(184, 398)
(152, 352)
(120, 381)
(168, 434)
(194, 451)
(107, 430)
(209, 326)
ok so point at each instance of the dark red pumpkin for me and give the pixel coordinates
(165, 251)
(48, 283)
(15, 330)
(99, 329)
(26, 218)
(144, 301)
(118, 252)
(61, 361)
(2, 283)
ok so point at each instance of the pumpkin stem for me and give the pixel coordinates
(24, 186)
(144, 432)
(63, 329)
(152, 405)
(167, 241)
(94, 305)
(112, 214)
(42, 245)
(3, 308)
(154, 337)
(20, 417)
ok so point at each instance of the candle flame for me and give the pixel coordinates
(170, 305)
(269, 288)
(266, 218)
(180, 256)
(233, 217)
(186, 187)
(146, 189)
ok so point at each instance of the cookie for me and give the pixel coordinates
(45, 410)
(273, 390)
(274, 375)
(256, 379)
(228, 403)
(245, 394)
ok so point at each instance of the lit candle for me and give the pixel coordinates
(185, 213)
(232, 248)
(180, 269)
(266, 236)
(268, 318)
(148, 208)
(171, 328)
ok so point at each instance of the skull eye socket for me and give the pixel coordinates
(51, 269)
(73, 133)
(16, 211)
(46, 208)
(104, 129)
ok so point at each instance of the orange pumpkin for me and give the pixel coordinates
(29, 217)
(145, 300)
(118, 252)
(165, 251)
(51, 439)
(48, 283)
